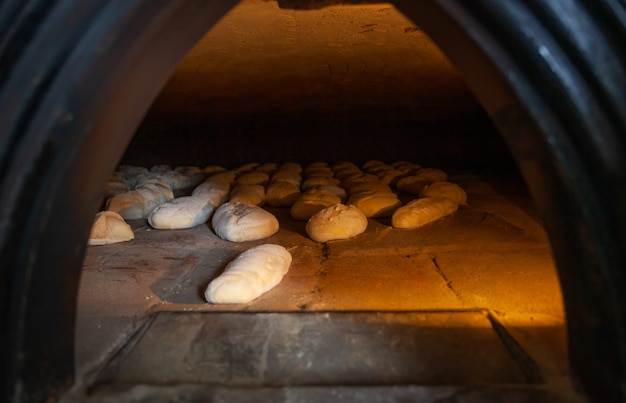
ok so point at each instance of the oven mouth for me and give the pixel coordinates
(78, 80)
(472, 299)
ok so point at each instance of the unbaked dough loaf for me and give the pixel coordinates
(195, 175)
(215, 190)
(336, 222)
(240, 222)
(133, 175)
(160, 168)
(136, 204)
(251, 194)
(445, 189)
(160, 186)
(182, 212)
(250, 275)
(420, 212)
(109, 227)
(375, 203)
(178, 180)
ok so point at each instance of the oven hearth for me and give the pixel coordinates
(474, 298)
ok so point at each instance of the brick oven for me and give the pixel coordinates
(515, 296)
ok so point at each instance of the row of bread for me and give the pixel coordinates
(137, 193)
(370, 191)
(436, 197)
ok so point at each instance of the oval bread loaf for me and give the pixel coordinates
(336, 222)
(251, 194)
(281, 194)
(249, 275)
(445, 189)
(376, 204)
(241, 222)
(420, 212)
(182, 212)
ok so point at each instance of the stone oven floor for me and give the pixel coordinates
(469, 306)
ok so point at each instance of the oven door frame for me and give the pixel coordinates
(78, 76)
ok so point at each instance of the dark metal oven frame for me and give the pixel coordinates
(76, 77)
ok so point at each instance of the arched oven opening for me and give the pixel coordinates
(78, 80)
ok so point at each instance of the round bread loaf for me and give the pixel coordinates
(336, 222)
(241, 222)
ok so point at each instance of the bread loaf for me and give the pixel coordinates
(182, 212)
(109, 227)
(336, 222)
(420, 212)
(240, 222)
(250, 275)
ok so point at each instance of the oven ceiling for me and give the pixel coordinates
(264, 58)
